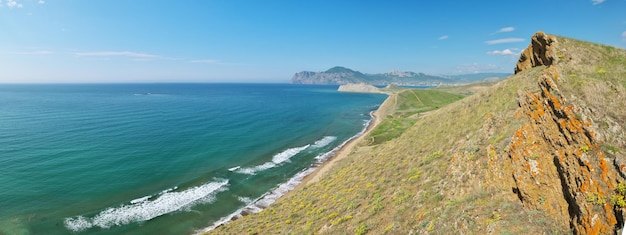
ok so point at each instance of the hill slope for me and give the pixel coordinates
(539, 152)
(340, 75)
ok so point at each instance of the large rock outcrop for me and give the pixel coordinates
(558, 164)
(542, 51)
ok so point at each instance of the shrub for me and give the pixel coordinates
(585, 148)
(618, 200)
(362, 229)
(621, 188)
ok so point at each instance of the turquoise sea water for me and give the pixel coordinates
(160, 158)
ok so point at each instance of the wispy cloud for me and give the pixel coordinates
(13, 4)
(504, 40)
(16, 4)
(444, 37)
(505, 52)
(134, 55)
(506, 30)
(205, 61)
(624, 36)
(596, 2)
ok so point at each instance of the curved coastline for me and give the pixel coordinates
(309, 175)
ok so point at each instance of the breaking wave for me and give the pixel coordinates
(276, 160)
(143, 209)
(324, 141)
(283, 157)
(268, 198)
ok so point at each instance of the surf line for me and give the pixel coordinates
(282, 157)
(144, 209)
(270, 197)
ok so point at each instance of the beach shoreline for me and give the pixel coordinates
(342, 153)
(313, 173)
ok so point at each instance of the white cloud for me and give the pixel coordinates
(505, 52)
(624, 36)
(506, 30)
(133, 55)
(41, 2)
(504, 40)
(596, 2)
(13, 4)
(205, 61)
(444, 37)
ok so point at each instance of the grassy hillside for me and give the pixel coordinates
(538, 152)
(409, 104)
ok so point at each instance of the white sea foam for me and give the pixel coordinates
(324, 141)
(141, 199)
(276, 160)
(256, 206)
(169, 190)
(287, 154)
(234, 168)
(267, 199)
(145, 209)
(245, 200)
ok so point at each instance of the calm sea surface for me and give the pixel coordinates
(159, 158)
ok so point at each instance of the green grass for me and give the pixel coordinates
(594, 63)
(428, 168)
(410, 104)
(407, 183)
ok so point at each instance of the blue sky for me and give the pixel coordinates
(67, 41)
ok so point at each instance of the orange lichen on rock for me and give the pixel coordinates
(605, 171)
(553, 125)
(541, 51)
(608, 209)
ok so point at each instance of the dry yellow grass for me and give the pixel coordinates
(450, 172)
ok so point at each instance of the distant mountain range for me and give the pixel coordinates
(340, 75)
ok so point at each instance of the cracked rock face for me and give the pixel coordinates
(558, 165)
(541, 51)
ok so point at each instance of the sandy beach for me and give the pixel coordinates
(345, 151)
(378, 116)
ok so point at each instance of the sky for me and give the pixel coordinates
(119, 41)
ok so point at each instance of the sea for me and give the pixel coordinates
(161, 158)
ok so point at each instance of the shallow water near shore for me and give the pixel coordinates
(159, 158)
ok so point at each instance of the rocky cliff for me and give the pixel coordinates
(558, 162)
(340, 75)
(541, 152)
(541, 51)
(335, 75)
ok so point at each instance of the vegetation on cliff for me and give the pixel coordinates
(340, 75)
(539, 152)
